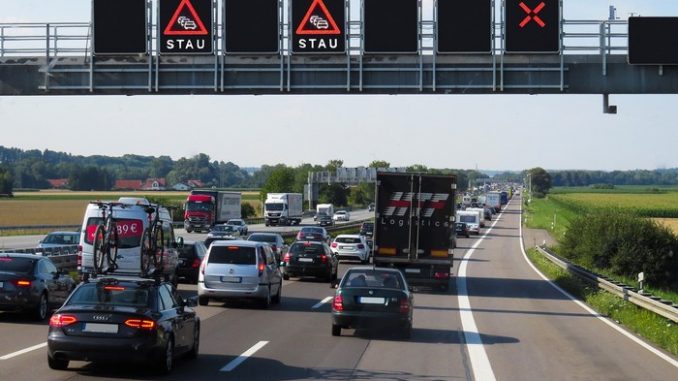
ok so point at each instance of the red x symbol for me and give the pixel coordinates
(532, 14)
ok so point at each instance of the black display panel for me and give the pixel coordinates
(532, 26)
(653, 40)
(251, 26)
(119, 26)
(185, 27)
(318, 26)
(465, 26)
(390, 26)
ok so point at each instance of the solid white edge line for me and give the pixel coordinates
(244, 356)
(586, 307)
(21, 352)
(480, 363)
(320, 303)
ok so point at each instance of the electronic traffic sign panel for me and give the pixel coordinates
(186, 27)
(532, 26)
(120, 26)
(252, 26)
(318, 26)
(465, 26)
(653, 40)
(390, 26)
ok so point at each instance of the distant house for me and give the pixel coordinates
(128, 185)
(195, 183)
(154, 184)
(181, 187)
(58, 183)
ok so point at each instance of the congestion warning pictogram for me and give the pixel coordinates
(185, 22)
(318, 21)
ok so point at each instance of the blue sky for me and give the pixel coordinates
(460, 131)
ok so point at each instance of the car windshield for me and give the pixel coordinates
(198, 207)
(348, 239)
(113, 295)
(467, 218)
(262, 238)
(233, 255)
(275, 206)
(62, 239)
(372, 279)
(222, 228)
(368, 227)
(235, 222)
(16, 265)
(307, 248)
(311, 231)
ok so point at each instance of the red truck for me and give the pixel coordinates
(204, 208)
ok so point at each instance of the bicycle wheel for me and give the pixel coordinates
(98, 250)
(112, 242)
(146, 252)
(159, 239)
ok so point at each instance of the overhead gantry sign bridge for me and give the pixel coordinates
(320, 47)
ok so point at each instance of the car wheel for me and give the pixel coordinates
(41, 309)
(203, 300)
(57, 364)
(166, 361)
(407, 332)
(286, 276)
(189, 230)
(278, 296)
(336, 330)
(193, 354)
(266, 301)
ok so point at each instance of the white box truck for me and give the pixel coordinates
(324, 209)
(493, 200)
(481, 215)
(283, 208)
(471, 219)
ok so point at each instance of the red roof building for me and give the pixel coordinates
(58, 183)
(195, 183)
(128, 184)
(154, 184)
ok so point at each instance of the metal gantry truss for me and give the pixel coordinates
(57, 58)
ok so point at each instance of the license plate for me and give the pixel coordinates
(371, 300)
(347, 247)
(310, 237)
(305, 259)
(413, 271)
(231, 279)
(100, 328)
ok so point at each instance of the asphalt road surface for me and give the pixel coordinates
(499, 321)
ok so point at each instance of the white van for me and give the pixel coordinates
(471, 219)
(481, 214)
(131, 219)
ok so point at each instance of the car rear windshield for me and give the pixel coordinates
(262, 238)
(187, 251)
(372, 279)
(62, 239)
(112, 295)
(311, 231)
(304, 248)
(471, 219)
(233, 255)
(129, 231)
(369, 227)
(17, 265)
(348, 240)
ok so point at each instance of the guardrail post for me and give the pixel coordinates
(47, 57)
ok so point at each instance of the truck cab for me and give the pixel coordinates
(199, 212)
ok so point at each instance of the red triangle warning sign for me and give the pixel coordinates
(318, 20)
(185, 22)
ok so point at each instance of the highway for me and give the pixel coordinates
(500, 321)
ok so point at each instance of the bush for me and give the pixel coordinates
(247, 210)
(624, 244)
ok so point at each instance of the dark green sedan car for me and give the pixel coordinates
(369, 297)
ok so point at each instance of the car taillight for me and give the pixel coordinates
(323, 258)
(21, 283)
(361, 246)
(338, 303)
(61, 320)
(334, 244)
(404, 306)
(286, 258)
(261, 268)
(196, 263)
(441, 275)
(140, 323)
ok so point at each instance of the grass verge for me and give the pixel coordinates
(654, 328)
(542, 212)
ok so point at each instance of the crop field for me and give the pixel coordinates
(67, 208)
(671, 223)
(661, 205)
(626, 189)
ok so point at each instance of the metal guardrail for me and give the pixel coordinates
(660, 307)
(39, 227)
(47, 252)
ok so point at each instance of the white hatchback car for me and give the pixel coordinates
(351, 246)
(341, 215)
